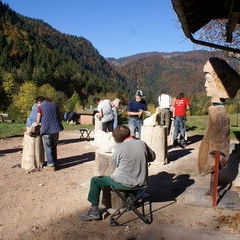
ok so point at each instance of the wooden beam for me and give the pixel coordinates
(231, 25)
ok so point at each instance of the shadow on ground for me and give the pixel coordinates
(168, 186)
(74, 140)
(176, 154)
(7, 151)
(75, 160)
(194, 139)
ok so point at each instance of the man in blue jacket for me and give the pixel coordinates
(49, 116)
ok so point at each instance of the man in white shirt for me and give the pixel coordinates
(164, 101)
(106, 114)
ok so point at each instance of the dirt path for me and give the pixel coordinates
(47, 205)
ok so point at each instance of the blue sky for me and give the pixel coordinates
(116, 28)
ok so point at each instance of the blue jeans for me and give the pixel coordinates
(50, 142)
(135, 124)
(179, 128)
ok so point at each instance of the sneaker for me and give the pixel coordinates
(91, 215)
(49, 168)
(183, 144)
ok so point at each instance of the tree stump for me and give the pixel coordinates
(105, 168)
(156, 138)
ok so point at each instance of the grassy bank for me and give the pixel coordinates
(196, 126)
(15, 129)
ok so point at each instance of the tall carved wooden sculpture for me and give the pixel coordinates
(222, 82)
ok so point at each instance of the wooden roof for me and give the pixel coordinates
(194, 14)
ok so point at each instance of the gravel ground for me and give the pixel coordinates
(47, 205)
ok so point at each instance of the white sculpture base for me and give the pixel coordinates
(156, 138)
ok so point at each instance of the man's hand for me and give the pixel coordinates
(148, 114)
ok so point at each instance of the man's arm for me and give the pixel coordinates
(187, 104)
(39, 115)
(134, 113)
(100, 114)
(151, 156)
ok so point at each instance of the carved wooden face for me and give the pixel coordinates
(213, 85)
(210, 85)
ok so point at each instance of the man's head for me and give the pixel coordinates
(40, 99)
(120, 133)
(96, 100)
(181, 95)
(139, 95)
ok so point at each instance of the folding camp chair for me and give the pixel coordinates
(85, 131)
(131, 200)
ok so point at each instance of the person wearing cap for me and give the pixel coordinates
(136, 108)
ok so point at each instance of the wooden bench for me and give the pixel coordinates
(85, 133)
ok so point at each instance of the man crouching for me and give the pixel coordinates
(130, 159)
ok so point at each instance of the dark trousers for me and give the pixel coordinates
(107, 126)
(165, 118)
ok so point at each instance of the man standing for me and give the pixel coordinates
(164, 101)
(130, 161)
(106, 114)
(180, 106)
(49, 117)
(136, 108)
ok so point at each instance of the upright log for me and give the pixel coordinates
(105, 168)
(156, 138)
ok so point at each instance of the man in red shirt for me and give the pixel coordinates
(180, 106)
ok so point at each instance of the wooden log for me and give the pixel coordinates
(215, 184)
(216, 138)
(156, 138)
(105, 168)
(104, 163)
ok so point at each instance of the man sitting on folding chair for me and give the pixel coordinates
(130, 159)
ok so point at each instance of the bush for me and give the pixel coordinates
(15, 114)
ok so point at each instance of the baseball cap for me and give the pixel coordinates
(139, 93)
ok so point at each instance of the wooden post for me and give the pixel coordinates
(215, 183)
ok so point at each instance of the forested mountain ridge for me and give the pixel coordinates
(157, 72)
(31, 50)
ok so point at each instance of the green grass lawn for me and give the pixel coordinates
(11, 129)
(196, 126)
(14, 129)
